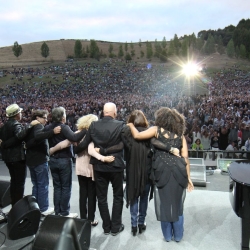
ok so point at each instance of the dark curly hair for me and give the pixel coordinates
(170, 120)
(138, 118)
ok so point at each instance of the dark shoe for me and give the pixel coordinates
(120, 230)
(106, 232)
(142, 227)
(134, 231)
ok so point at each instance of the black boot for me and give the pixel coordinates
(142, 227)
(134, 231)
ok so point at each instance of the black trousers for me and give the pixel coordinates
(87, 197)
(102, 179)
(18, 172)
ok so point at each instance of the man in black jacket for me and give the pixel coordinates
(12, 134)
(106, 133)
(37, 157)
(61, 162)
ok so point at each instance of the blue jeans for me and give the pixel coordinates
(40, 180)
(175, 229)
(142, 206)
(61, 171)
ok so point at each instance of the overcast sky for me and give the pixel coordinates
(27, 21)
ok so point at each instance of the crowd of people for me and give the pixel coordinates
(34, 112)
(84, 88)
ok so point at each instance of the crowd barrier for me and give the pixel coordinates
(204, 162)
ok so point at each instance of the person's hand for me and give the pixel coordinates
(34, 122)
(176, 152)
(130, 124)
(190, 186)
(108, 158)
(97, 150)
(57, 130)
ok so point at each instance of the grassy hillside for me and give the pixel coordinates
(61, 49)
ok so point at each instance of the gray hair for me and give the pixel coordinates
(58, 114)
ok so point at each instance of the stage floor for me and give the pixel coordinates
(210, 222)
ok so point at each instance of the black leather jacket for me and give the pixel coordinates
(12, 134)
(105, 133)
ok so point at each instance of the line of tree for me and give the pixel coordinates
(234, 41)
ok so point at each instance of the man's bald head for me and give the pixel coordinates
(109, 109)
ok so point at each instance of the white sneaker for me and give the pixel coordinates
(71, 215)
(2, 216)
(50, 210)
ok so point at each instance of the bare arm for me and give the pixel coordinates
(146, 134)
(63, 144)
(184, 153)
(92, 152)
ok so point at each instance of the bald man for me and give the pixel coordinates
(106, 133)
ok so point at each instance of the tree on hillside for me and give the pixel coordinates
(164, 42)
(210, 45)
(230, 48)
(199, 44)
(94, 50)
(45, 50)
(220, 47)
(171, 48)
(131, 45)
(243, 51)
(110, 48)
(176, 45)
(128, 57)
(142, 54)
(126, 46)
(158, 49)
(237, 52)
(78, 49)
(17, 49)
(184, 47)
(163, 56)
(149, 50)
(120, 53)
(140, 43)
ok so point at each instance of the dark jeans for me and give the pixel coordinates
(87, 197)
(61, 171)
(40, 180)
(141, 204)
(102, 180)
(18, 172)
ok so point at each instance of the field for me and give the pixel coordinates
(61, 49)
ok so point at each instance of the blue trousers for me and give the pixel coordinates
(40, 180)
(61, 171)
(170, 229)
(141, 204)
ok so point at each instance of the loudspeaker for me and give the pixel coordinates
(5, 199)
(23, 218)
(52, 227)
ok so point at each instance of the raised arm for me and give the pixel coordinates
(184, 153)
(146, 134)
(92, 152)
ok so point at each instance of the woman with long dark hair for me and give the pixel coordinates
(171, 174)
(138, 166)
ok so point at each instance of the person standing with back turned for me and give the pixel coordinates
(106, 133)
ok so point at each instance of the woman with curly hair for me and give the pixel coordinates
(170, 173)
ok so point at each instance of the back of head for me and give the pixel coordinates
(138, 119)
(58, 114)
(85, 121)
(109, 109)
(39, 113)
(171, 120)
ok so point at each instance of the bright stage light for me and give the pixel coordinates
(190, 69)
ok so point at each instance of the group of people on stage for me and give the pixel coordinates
(155, 158)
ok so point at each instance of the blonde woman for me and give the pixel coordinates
(84, 171)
